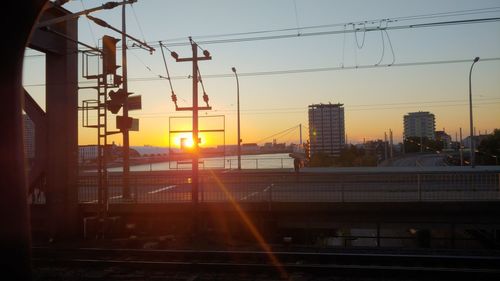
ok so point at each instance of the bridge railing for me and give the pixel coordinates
(175, 187)
(218, 163)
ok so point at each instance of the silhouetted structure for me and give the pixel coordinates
(444, 138)
(420, 124)
(326, 128)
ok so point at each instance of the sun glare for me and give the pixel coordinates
(187, 142)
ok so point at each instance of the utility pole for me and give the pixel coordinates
(300, 137)
(238, 109)
(125, 130)
(195, 160)
(195, 108)
(461, 149)
(390, 143)
(385, 145)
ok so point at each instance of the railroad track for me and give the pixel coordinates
(416, 266)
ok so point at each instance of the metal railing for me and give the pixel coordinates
(175, 187)
(217, 163)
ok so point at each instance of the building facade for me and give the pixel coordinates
(420, 124)
(326, 128)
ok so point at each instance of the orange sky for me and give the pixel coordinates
(375, 99)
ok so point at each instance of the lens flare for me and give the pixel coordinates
(251, 226)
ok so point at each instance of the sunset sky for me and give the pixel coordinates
(375, 98)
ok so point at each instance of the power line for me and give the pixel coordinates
(138, 24)
(396, 19)
(332, 32)
(450, 14)
(88, 24)
(277, 134)
(142, 62)
(296, 16)
(292, 71)
(354, 107)
(323, 69)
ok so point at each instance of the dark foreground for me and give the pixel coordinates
(62, 263)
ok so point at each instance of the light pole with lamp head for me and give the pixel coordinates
(238, 110)
(472, 149)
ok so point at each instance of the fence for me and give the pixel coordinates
(175, 186)
(217, 163)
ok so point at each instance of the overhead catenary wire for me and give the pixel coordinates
(365, 29)
(360, 46)
(296, 17)
(395, 19)
(343, 47)
(138, 23)
(142, 62)
(302, 111)
(292, 71)
(383, 48)
(332, 32)
(90, 27)
(392, 49)
(325, 69)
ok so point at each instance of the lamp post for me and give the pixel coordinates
(472, 149)
(238, 110)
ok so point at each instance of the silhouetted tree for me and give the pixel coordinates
(489, 148)
(320, 159)
(352, 156)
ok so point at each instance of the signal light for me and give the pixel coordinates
(109, 54)
(124, 123)
(117, 99)
(117, 80)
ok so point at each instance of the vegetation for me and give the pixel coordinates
(350, 156)
(355, 157)
(489, 149)
(320, 159)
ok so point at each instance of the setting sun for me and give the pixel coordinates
(187, 142)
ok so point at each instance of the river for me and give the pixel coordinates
(257, 161)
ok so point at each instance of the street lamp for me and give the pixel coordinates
(238, 105)
(472, 149)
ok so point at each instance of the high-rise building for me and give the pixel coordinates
(326, 128)
(29, 137)
(420, 124)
